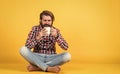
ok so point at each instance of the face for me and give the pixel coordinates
(46, 20)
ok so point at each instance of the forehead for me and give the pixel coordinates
(46, 17)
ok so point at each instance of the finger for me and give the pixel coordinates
(43, 30)
(45, 34)
(52, 28)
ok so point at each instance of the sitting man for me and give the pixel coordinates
(42, 39)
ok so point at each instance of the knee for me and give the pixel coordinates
(67, 56)
(24, 50)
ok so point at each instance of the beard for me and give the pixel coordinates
(45, 25)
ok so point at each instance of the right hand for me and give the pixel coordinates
(43, 32)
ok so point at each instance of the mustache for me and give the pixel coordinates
(46, 25)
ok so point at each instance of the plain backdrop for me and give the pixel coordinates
(91, 27)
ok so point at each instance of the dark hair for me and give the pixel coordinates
(47, 13)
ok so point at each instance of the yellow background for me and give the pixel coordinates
(91, 27)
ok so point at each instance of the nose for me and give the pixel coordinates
(47, 22)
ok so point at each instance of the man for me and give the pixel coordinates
(44, 56)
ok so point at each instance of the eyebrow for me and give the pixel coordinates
(47, 20)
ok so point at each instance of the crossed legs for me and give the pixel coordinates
(51, 65)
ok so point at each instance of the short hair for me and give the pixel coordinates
(47, 13)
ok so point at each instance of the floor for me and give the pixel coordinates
(69, 68)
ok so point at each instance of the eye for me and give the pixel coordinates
(45, 20)
(49, 20)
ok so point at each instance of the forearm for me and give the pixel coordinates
(61, 42)
(30, 43)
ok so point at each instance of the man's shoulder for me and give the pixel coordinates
(56, 28)
(36, 28)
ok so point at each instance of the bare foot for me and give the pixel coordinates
(54, 69)
(33, 68)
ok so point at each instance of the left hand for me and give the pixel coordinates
(53, 32)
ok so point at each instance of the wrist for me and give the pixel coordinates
(56, 37)
(38, 38)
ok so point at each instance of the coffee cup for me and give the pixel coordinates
(48, 30)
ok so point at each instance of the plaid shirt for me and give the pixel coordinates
(46, 44)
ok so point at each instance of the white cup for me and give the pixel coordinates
(48, 30)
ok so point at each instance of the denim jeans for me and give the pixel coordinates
(44, 60)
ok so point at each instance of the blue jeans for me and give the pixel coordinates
(44, 60)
